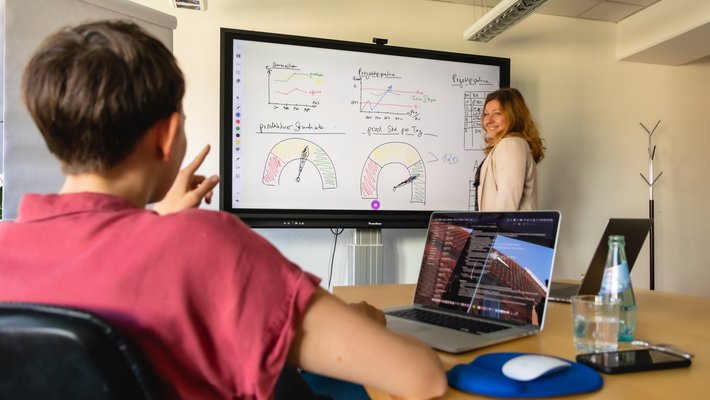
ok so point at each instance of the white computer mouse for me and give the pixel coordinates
(527, 367)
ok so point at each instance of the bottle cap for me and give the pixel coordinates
(617, 238)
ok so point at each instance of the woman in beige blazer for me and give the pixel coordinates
(513, 147)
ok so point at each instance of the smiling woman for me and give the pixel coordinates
(507, 177)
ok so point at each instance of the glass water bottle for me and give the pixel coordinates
(616, 283)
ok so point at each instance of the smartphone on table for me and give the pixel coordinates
(617, 362)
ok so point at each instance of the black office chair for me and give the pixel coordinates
(50, 352)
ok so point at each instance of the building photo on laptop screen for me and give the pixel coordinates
(484, 279)
(489, 266)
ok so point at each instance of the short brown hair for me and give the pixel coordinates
(95, 89)
(519, 119)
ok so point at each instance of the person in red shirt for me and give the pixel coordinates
(215, 307)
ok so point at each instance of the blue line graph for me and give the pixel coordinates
(388, 99)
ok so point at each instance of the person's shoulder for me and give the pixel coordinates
(215, 230)
(191, 224)
(197, 219)
(512, 141)
(201, 215)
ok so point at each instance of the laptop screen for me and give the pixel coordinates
(490, 264)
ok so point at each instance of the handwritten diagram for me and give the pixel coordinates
(385, 100)
(317, 129)
(391, 153)
(290, 87)
(304, 152)
(473, 109)
(387, 94)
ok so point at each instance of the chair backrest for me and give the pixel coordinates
(51, 352)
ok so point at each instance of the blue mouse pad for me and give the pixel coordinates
(483, 376)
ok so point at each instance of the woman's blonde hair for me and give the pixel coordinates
(520, 122)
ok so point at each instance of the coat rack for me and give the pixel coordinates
(651, 181)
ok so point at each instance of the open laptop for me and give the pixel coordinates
(484, 279)
(634, 231)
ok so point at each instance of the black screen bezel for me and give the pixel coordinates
(317, 218)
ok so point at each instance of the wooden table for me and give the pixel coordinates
(679, 320)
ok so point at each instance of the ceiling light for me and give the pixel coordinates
(506, 14)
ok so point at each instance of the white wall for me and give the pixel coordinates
(27, 164)
(587, 104)
(2, 83)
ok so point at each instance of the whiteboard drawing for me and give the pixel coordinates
(394, 153)
(386, 98)
(303, 152)
(474, 137)
(288, 86)
(302, 162)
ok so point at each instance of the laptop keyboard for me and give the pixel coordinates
(447, 321)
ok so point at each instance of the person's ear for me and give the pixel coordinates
(167, 131)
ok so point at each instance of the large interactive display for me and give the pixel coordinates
(323, 133)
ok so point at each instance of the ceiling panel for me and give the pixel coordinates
(567, 8)
(612, 12)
